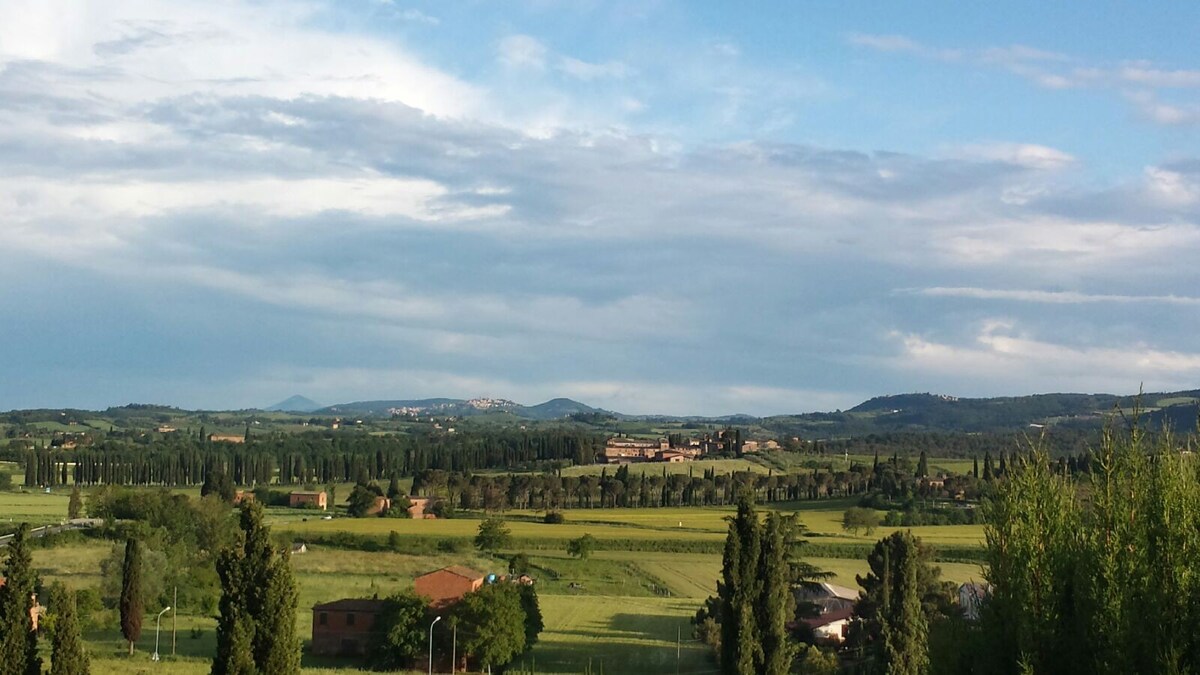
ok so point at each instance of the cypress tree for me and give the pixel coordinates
(132, 603)
(256, 630)
(741, 646)
(776, 604)
(67, 656)
(923, 466)
(75, 505)
(18, 640)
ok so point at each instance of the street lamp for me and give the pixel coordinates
(157, 626)
(431, 644)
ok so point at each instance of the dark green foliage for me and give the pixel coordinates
(519, 564)
(888, 629)
(18, 640)
(362, 498)
(75, 504)
(492, 625)
(399, 507)
(740, 643)
(923, 466)
(581, 547)
(493, 535)
(776, 606)
(399, 632)
(533, 615)
(394, 492)
(256, 629)
(218, 482)
(554, 518)
(857, 518)
(132, 604)
(67, 654)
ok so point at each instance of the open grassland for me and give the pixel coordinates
(34, 507)
(617, 635)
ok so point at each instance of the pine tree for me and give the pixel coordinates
(256, 631)
(923, 466)
(75, 505)
(132, 603)
(67, 656)
(18, 640)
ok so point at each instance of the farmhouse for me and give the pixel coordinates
(227, 438)
(448, 585)
(831, 627)
(344, 627)
(309, 500)
(36, 611)
(419, 508)
(669, 456)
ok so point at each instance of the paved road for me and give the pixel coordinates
(76, 524)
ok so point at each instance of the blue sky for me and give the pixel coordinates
(673, 207)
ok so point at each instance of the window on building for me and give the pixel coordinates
(322, 619)
(349, 618)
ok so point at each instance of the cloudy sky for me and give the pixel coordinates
(673, 207)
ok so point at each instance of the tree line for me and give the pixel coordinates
(299, 459)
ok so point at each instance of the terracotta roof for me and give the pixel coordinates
(351, 605)
(459, 570)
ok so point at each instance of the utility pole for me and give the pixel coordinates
(454, 650)
(174, 618)
(678, 632)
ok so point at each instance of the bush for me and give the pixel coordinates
(554, 518)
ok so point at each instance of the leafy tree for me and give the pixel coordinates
(256, 629)
(816, 661)
(400, 632)
(132, 600)
(361, 499)
(75, 504)
(217, 482)
(581, 547)
(493, 535)
(399, 507)
(18, 640)
(492, 626)
(67, 655)
(519, 564)
(858, 518)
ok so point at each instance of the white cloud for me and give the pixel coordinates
(1007, 358)
(582, 70)
(1027, 155)
(109, 51)
(522, 51)
(1052, 297)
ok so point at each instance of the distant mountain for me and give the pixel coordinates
(556, 408)
(456, 407)
(934, 412)
(295, 403)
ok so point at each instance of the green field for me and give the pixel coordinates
(36, 508)
(621, 610)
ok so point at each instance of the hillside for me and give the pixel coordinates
(295, 403)
(550, 410)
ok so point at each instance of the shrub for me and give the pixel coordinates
(554, 518)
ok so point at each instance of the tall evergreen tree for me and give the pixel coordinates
(18, 639)
(900, 592)
(75, 504)
(67, 656)
(132, 603)
(256, 629)
(776, 605)
(923, 466)
(741, 645)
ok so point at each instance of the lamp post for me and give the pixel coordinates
(431, 644)
(157, 626)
